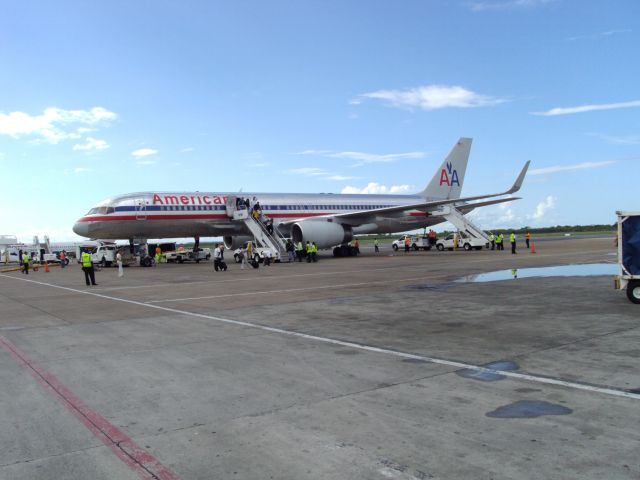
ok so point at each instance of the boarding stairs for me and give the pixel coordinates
(463, 224)
(276, 241)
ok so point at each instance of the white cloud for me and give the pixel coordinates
(307, 171)
(80, 169)
(376, 158)
(377, 188)
(587, 108)
(623, 140)
(314, 152)
(144, 152)
(432, 97)
(506, 4)
(340, 178)
(595, 36)
(91, 144)
(567, 168)
(259, 165)
(187, 150)
(543, 207)
(52, 125)
(146, 162)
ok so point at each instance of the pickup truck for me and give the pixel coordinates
(258, 253)
(417, 243)
(189, 255)
(464, 241)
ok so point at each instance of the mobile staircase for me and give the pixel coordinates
(276, 241)
(453, 215)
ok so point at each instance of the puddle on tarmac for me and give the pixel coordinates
(528, 409)
(581, 270)
(428, 286)
(485, 376)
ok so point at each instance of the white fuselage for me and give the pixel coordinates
(189, 214)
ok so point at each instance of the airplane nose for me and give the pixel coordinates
(81, 228)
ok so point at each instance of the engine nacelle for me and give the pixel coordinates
(324, 234)
(235, 242)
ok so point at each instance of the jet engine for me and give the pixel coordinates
(235, 242)
(324, 234)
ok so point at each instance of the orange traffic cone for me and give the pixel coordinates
(533, 247)
(46, 267)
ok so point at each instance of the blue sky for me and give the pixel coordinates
(102, 98)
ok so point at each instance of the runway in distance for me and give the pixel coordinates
(327, 219)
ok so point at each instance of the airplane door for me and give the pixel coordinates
(141, 209)
(231, 205)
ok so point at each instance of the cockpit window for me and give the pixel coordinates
(101, 210)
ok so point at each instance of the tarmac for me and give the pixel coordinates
(375, 367)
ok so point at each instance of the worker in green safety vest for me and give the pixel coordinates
(512, 239)
(25, 263)
(87, 268)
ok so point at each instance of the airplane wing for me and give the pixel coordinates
(426, 206)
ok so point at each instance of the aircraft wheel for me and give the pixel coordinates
(440, 247)
(633, 291)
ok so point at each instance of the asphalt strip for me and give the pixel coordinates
(439, 361)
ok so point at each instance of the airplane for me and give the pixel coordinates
(329, 220)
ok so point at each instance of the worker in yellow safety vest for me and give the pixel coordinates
(25, 263)
(87, 268)
(512, 239)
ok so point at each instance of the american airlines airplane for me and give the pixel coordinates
(326, 219)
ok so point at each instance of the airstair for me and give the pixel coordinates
(276, 241)
(453, 215)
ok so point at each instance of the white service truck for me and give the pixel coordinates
(103, 253)
(464, 241)
(416, 243)
(628, 239)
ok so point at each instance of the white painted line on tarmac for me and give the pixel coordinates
(438, 361)
(286, 290)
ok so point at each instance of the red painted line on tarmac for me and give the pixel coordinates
(134, 456)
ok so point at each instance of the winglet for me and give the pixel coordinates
(518, 183)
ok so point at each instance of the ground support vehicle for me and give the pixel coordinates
(188, 255)
(103, 253)
(628, 239)
(464, 241)
(416, 243)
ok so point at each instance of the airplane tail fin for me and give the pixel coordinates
(447, 181)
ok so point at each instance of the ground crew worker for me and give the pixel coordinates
(527, 238)
(512, 239)
(63, 259)
(375, 246)
(87, 268)
(158, 254)
(309, 250)
(25, 263)
(499, 240)
(356, 245)
(407, 243)
(314, 252)
(299, 250)
(218, 259)
(492, 239)
(249, 250)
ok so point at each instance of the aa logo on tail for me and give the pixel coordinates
(449, 178)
